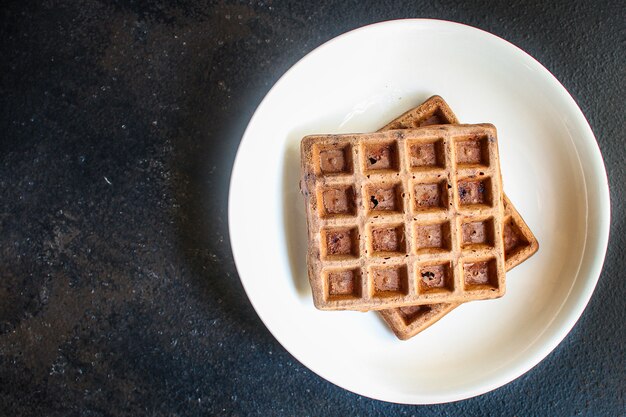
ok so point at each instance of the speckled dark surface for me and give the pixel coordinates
(119, 125)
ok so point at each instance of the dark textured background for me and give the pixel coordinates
(120, 122)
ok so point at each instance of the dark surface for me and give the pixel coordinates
(120, 122)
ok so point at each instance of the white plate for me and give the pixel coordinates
(552, 170)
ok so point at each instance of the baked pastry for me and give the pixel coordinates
(404, 217)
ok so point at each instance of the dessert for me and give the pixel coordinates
(404, 217)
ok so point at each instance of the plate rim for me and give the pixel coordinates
(601, 221)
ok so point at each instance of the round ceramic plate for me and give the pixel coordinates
(552, 171)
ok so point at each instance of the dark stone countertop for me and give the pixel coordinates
(120, 122)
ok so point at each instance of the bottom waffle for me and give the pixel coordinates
(519, 242)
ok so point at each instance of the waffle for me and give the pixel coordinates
(393, 217)
(519, 241)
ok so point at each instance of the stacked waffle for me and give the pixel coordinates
(410, 221)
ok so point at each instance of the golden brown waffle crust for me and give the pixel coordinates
(434, 111)
(405, 329)
(338, 200)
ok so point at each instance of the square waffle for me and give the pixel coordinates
(519, 241)
(393, 217)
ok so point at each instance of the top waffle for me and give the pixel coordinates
(404, 217)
